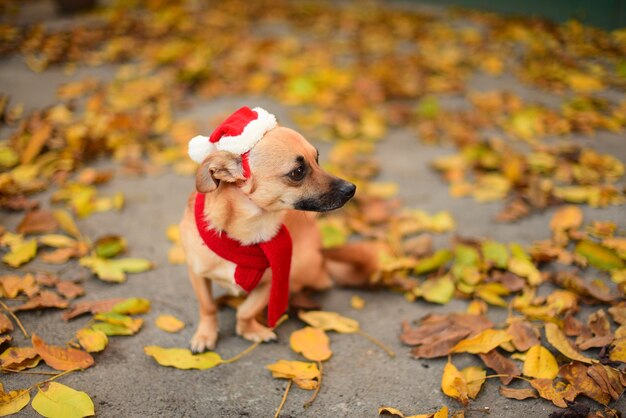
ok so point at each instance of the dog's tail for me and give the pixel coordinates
(353, 264)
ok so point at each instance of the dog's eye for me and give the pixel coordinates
(297, 174)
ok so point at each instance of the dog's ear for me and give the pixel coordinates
(218, 166)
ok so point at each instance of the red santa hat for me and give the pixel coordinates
(237, 134)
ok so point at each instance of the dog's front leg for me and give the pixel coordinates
(247, 325)
(208, 328)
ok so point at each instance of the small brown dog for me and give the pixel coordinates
(254, 177)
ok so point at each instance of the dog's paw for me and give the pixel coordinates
(251, 330)
(202, 341)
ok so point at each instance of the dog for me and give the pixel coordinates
(254, 179)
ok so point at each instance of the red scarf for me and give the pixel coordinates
(253, 260)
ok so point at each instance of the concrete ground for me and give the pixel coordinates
(357, 379)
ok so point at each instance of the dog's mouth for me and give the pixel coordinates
(340, 192)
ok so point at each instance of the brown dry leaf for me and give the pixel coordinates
(38, 222)
(559, 341)
(70, 290)
(610, 380)
(501, 365)
(312, 343)
(483, 342)
(540, 363)
(13, 285)
(388, 410)
(523, 333)
(5, 323)
(618, 313)
(519, 394)
(572, 326)
(45, 299)
(60, 358)
(19, 358)
(557, 394)
(576, 374)
(94, 307)
(598, 323)
(453, 384)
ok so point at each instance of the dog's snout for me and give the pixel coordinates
(347, 189)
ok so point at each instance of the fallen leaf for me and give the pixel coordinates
(453, 384)
(182, 358)
(312, 343)
(566, 217)
(540, 363)
(67, 223)
(475, 377)
(45, 299)
(5, 324)
(94, 307)
(439, 290)
(483, 342)
(610, 380)
(19, 358)
(519, 394)
(131, 306)
(109, 246)
(92, 341)
(56, 400)
(555, 394)
(576, 374)
(357, 302)
(599, 256)
(169, 323)
(114, 318)
(559, 341)
(329, 321)
(21, 253)
(618, 350)
(14, 401)
(523, 333)
(37, 222)
(501, 365)
(69, 289)
(57, 241)
(305, 375)
(13, 285)
(61, 358)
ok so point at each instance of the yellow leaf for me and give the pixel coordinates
(114, 318)
(14, 401)
(540, 363)
(57, 241)
(21, 253)
(104, 269)
(312, 343)
(618, 350)
(525, 268)
(483, 342)
(305, 375)
(559, 341)
(91, 340)
(55, 400)
(453, 383)
(67, 223)
(169, 323)
(475, 377)
(357, 302)
(182, 358)
(439, 290)
(329, 321)
(132, 306)
(581, 82)
(173, 233)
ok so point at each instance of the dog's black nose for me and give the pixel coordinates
(347, 189)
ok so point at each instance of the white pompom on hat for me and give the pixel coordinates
(237, 134)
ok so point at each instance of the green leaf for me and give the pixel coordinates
(433, 262)
(112, 329)
(13, 402)
(110, 246)
(132, 306)
(599, 256)
(182, 358)
(55, 400)
(464, 255)
(104, 269)
(115, 318)
(496, 253)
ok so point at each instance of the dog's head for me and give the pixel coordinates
(284, 174)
